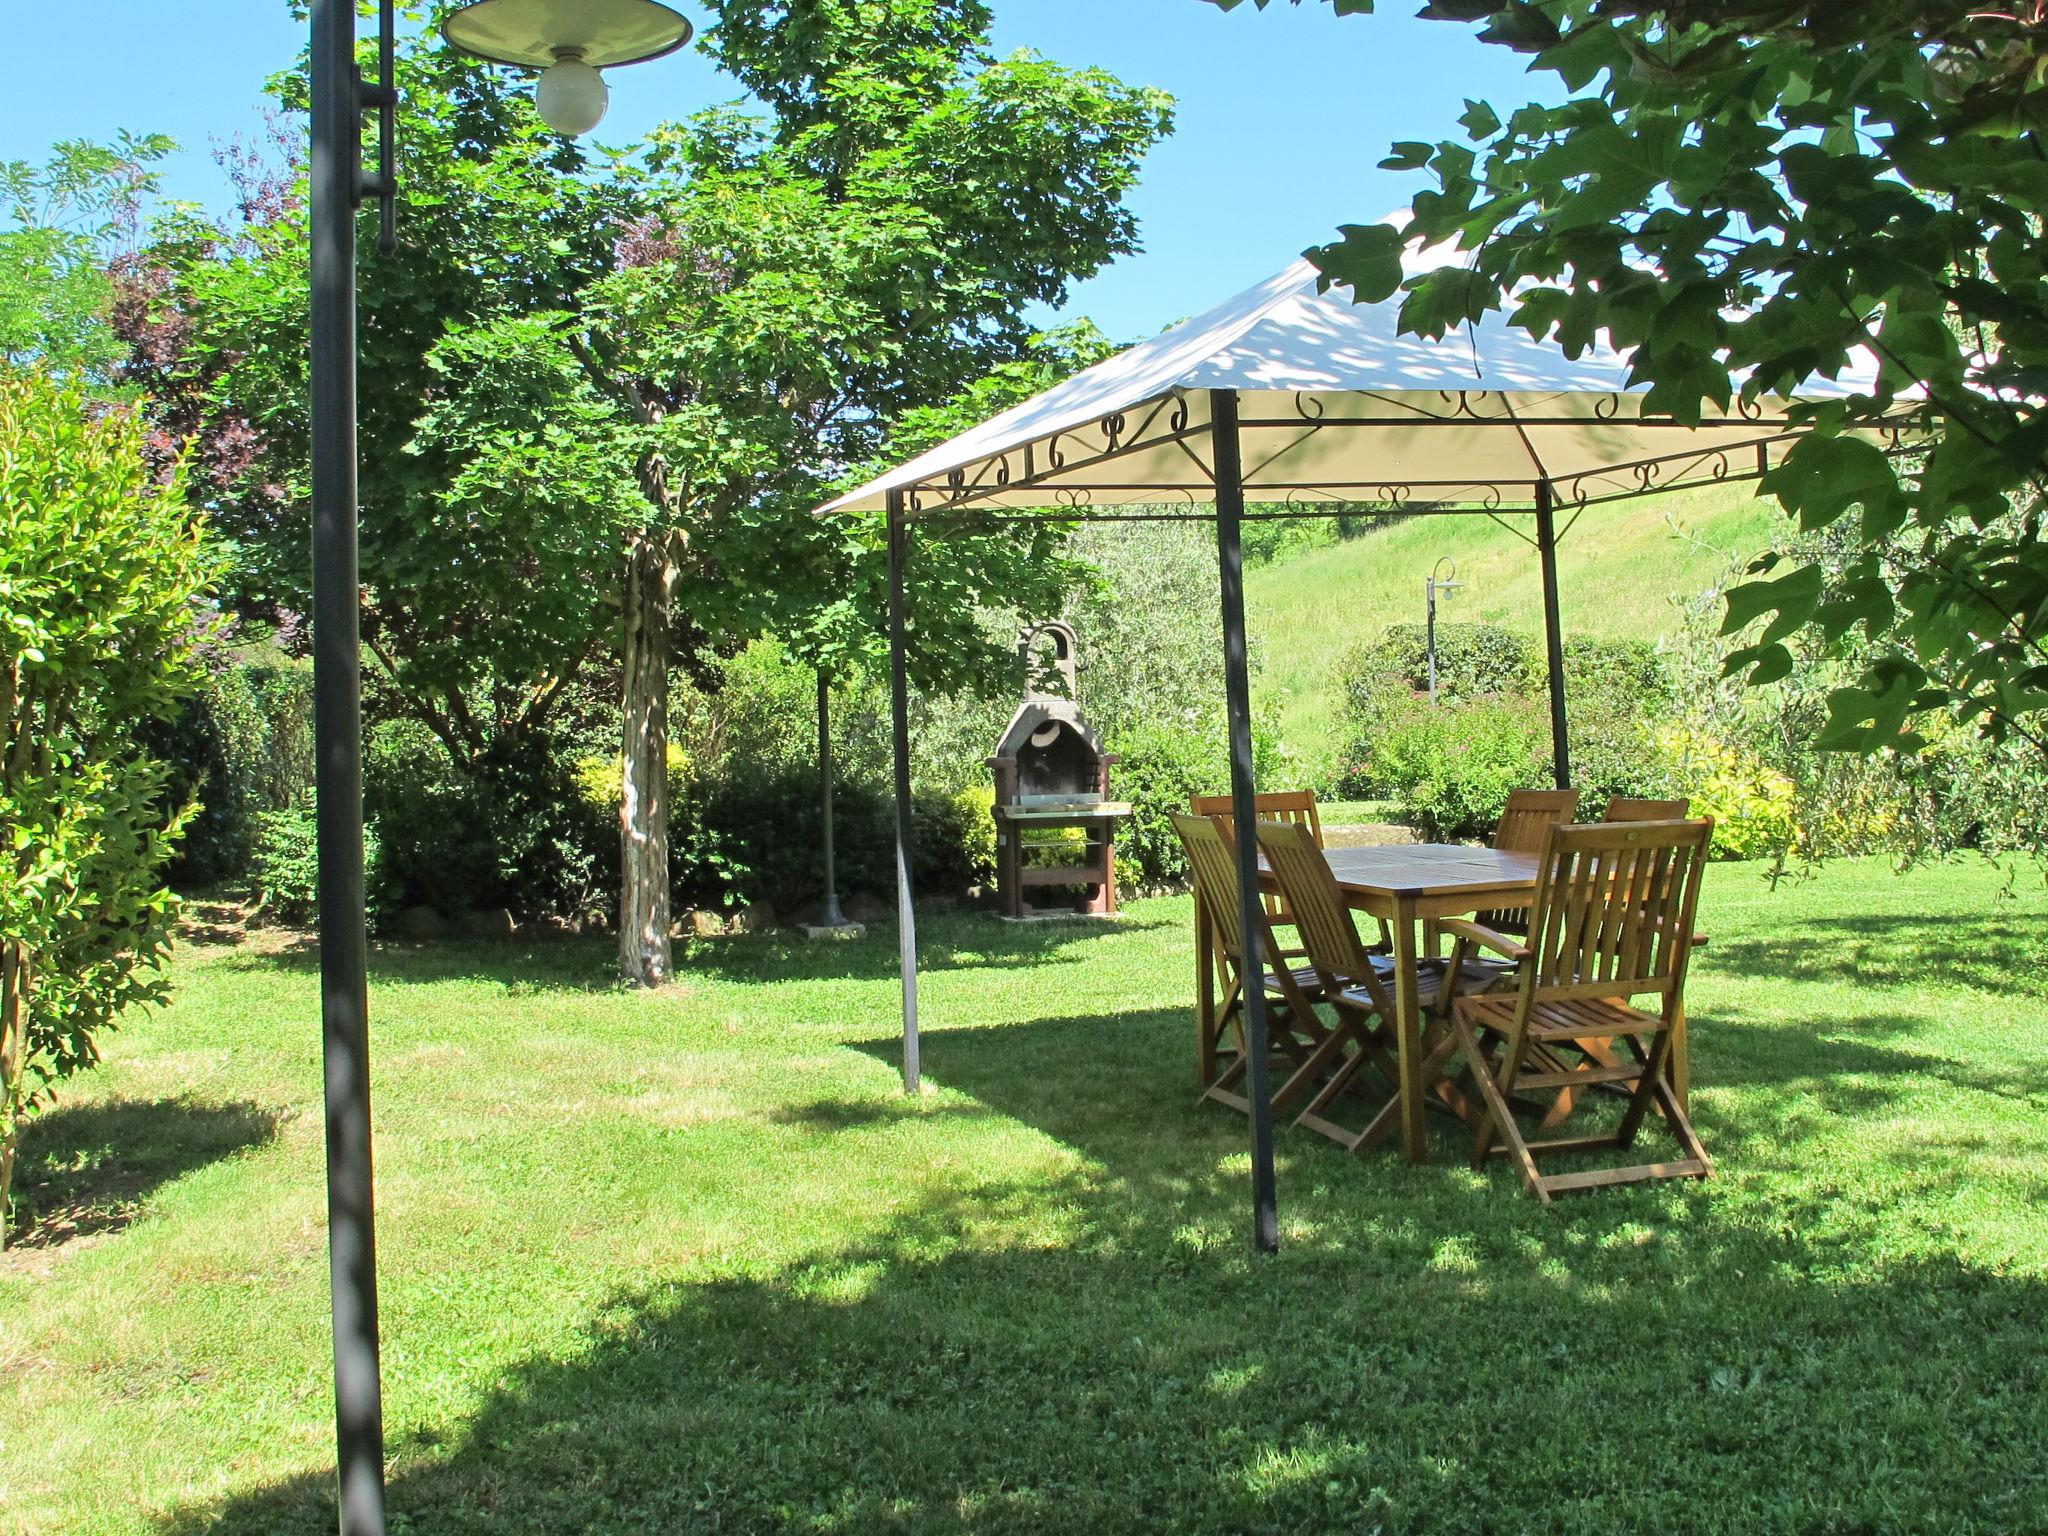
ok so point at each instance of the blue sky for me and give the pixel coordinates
(1283, 114)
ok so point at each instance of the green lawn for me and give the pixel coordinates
(690, 1262)
(1622, 569)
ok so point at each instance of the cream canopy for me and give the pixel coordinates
(1335, 406)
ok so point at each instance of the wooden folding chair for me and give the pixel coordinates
(1358, 986)
(1293, 1031)
(1525, 827)
(1297, 807)
(1291, 807)
(1623, 808)
(1612, 923)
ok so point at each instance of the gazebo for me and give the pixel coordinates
(1293, 398)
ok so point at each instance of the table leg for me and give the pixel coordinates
(1408, 1033)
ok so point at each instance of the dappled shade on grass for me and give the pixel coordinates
(691, 1262)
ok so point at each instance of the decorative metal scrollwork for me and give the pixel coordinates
(1053, 456)
(1607, 407)
(1073, 496)
(1302, 402)
(1177, 419)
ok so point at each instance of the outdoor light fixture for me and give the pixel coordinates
(1442, 580)
(568, 41)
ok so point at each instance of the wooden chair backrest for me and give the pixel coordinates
(1214, 861)
(1525, 825)
(1320, 913)
(1623, 808)
(1614, 909)
(1297, 807)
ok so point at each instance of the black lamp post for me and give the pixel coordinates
(570, 39)
(1447, 584)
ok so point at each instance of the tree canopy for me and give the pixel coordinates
(61, 225)
(1749, 193)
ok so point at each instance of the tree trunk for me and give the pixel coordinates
(645, 959)
(13, 1065)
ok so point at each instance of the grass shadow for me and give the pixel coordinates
(89, 1169)
(1989, 953)
(1147, 1373)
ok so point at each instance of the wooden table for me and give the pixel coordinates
(1406, 885)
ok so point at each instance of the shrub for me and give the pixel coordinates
(1755, 808)
(510, 831)
(1161, 768)
(973, 826)
(103, 576)
(240, 747)
(285, 867)
(1451, 767)
(1614, 690)
(1473, 661)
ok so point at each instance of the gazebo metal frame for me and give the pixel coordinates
(1079, 466)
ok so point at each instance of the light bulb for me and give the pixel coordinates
(571, 95)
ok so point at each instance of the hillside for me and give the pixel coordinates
(1622, 572)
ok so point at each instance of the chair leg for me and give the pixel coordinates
(1327, 1049)
(1646, 1089)
(1681, 1127)
(1504, 1084)
(1499, 1116)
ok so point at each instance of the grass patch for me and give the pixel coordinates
(690, 1261)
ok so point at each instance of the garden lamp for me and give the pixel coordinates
(568, 41)
(1442, 579)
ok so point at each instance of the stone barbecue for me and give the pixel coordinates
(1052, 783)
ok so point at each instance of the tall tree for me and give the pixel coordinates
(794, 283)
(1750, 192)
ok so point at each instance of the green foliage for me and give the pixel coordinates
(1452, 767)
(1160, 768)
(974, 830)
(240, 747)
(1959, 789)
(509, 831)
(284, 867)
(1755, 808)
(1473, 661)
(1748, 195)
(690, 335)
(103, 574)
(61, 223)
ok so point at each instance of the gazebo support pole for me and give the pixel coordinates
(338, 770)
(1229, 470)
(830, 914)
(1553, 634)
(899, 720)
